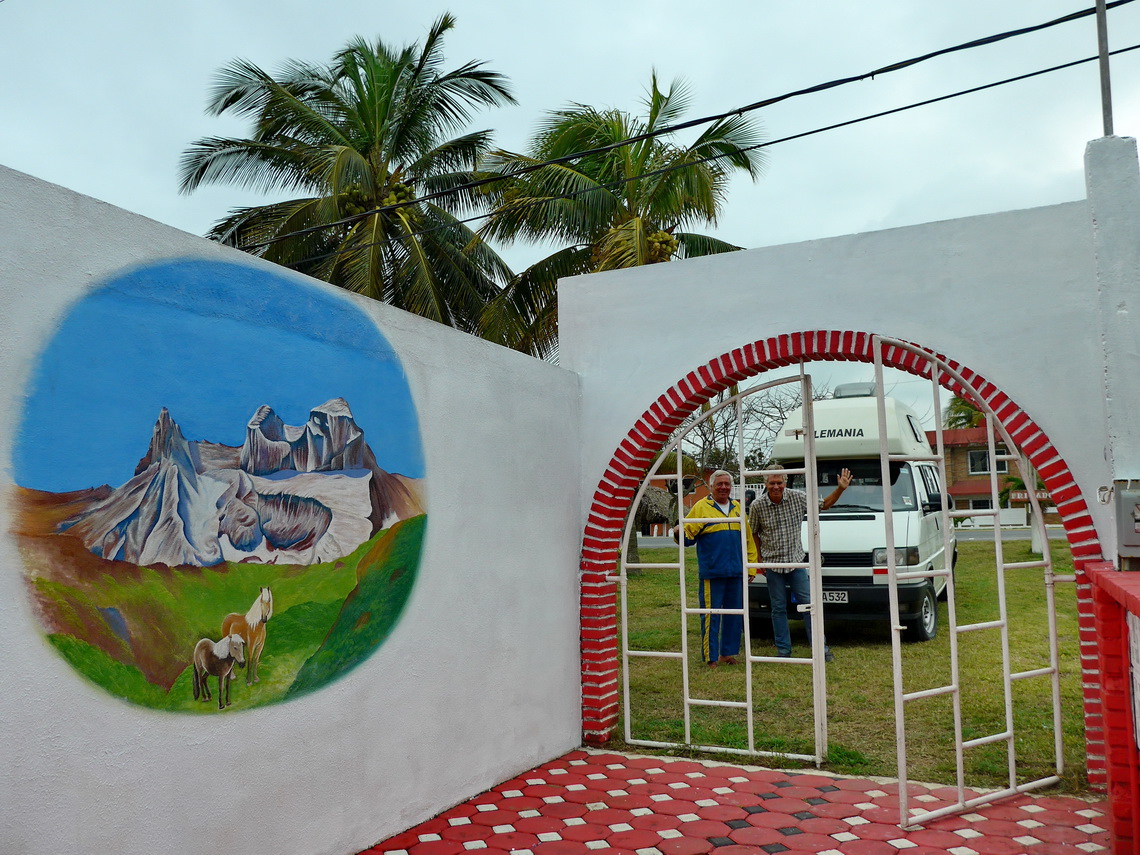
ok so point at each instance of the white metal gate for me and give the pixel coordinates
(687, 611)
(936, 369)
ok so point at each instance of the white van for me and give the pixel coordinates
(852, 533)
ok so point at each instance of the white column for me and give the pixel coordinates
(1112, 179)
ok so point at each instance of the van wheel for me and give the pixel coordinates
(925, 626)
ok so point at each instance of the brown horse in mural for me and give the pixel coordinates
(251, 627)
(216, 658)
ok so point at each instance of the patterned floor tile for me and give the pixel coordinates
(601, 802)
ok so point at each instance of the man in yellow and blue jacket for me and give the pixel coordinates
(721, 565)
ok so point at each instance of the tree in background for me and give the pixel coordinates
(622, 205)
(713, 441)
(962, 413)
(371, 129)
(1015, 484)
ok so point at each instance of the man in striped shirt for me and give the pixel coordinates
(776, 518)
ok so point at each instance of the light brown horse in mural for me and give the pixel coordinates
(251, 627)
(216, 658)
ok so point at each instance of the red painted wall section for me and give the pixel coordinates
(614, 494)
(1115, 594)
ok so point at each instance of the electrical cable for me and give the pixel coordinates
(687, 164)
(739, 111)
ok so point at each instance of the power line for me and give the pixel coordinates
(653, 173)
(739, 111)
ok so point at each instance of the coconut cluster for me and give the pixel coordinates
(662, 245)
(354, 201)
(398, 193)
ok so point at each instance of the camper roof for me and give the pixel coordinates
(849, 427)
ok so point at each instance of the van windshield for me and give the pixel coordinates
(866, 490)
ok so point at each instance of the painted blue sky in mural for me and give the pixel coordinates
(211, 342)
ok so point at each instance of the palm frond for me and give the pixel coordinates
(256, 229)
(341, 167)
(362, 263)
(242, 88)
(623, 246)
(525, 315)
(431, 54)
(666, 108)
(300, 105)
(962, 413)
(733, 140)
(555, 201)
(246, 163)
(459, 153)
(693, 245)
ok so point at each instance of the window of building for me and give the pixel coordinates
(979, 459)
(981, 504)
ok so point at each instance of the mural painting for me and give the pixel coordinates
(219, 492)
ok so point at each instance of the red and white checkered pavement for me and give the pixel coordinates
(617, 804)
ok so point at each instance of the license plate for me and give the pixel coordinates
(835, 596)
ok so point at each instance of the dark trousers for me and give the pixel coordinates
(720, 634)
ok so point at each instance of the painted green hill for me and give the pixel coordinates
(133, 636)
(384, 581)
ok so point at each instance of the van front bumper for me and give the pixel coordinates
(864, 602)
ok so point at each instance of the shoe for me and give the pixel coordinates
(728, 660)
(787, 655)
(828, 656)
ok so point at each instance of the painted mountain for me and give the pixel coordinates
(288, 495)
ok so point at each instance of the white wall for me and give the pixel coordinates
(1114, 206)
(479, 680)
(1012, 296)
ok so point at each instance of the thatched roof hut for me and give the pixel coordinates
(657, 506)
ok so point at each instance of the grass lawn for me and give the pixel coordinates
(860, 700)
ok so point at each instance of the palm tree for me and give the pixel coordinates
(369, 131)
(962, 413)
(1014, 484)
(623, 205)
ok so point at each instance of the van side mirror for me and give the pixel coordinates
(932, 504)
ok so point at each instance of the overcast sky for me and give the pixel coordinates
(104, 97)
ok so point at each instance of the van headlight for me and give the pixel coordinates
(904, 556)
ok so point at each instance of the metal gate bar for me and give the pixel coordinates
(819, 698)
(937, 368)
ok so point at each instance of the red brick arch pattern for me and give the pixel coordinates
(601, 541)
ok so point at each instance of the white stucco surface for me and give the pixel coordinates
(1013, 296)
(1114, 207)
(479, 680)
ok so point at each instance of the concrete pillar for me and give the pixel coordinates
(1112, 180)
